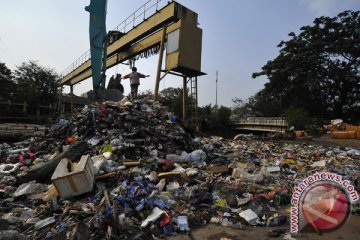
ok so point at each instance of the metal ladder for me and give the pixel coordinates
(194, 101)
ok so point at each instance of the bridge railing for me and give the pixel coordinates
(260, 124)
(143, 12)
(260, 121)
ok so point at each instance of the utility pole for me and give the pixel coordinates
(216, 87)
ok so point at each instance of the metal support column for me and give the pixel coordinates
(161, 53)
(184, 99)
(58, 108)
(71, 98)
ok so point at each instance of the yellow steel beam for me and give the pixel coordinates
(148, 26)
(158, 72)
(137, 48)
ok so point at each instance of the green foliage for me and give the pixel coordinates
(223, 115)
(265, 105)
(36, 85)
(297, 117)
(205, 112)
(214, 117)
(317, 70)
(6, 83)
(173, 99)
(210, 117)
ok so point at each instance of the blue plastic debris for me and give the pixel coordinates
(49, 235)
(183, 224)
(62, 227)
(168, 229)
(140, 206)
(160, 203)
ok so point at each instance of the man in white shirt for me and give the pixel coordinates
(134, 77)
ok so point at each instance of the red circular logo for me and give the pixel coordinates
(326, 207)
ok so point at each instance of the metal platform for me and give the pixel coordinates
(156, 27)
(140, 33)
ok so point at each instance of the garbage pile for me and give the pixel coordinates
(127, 170)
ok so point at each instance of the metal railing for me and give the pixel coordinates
(125, 26)
(19, 112)
(260, 124)
(274, 121)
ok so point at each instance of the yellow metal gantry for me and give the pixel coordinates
(173, 24)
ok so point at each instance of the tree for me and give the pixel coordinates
(265, 104)
(37, 85)
(318, 69)
(215, 117)
(297, 117)
(223, 115)
(173, 98)
(6, 83)
(243, 108)
(239, 109)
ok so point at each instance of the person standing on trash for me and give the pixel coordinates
(134, 77)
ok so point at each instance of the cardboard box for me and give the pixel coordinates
(70, 180)
(299, 133)
(344, 135)
(350, 127)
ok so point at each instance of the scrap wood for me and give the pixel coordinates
(42, 173)
(106, 196)
(102, 201)
(102, 176)
(113, 228)
(131, 164)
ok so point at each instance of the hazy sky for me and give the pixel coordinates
(239, 37)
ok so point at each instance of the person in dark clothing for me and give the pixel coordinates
(203, 124)
(118, 84)
(111, 82)
(115, 83)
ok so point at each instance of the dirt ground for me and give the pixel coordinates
(350, 231)
(329, 142)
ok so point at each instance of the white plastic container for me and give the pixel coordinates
(73, 183)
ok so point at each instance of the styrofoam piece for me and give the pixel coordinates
(249, 215)
(273, 169)
(98, 161)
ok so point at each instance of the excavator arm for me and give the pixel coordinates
(98, 42)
